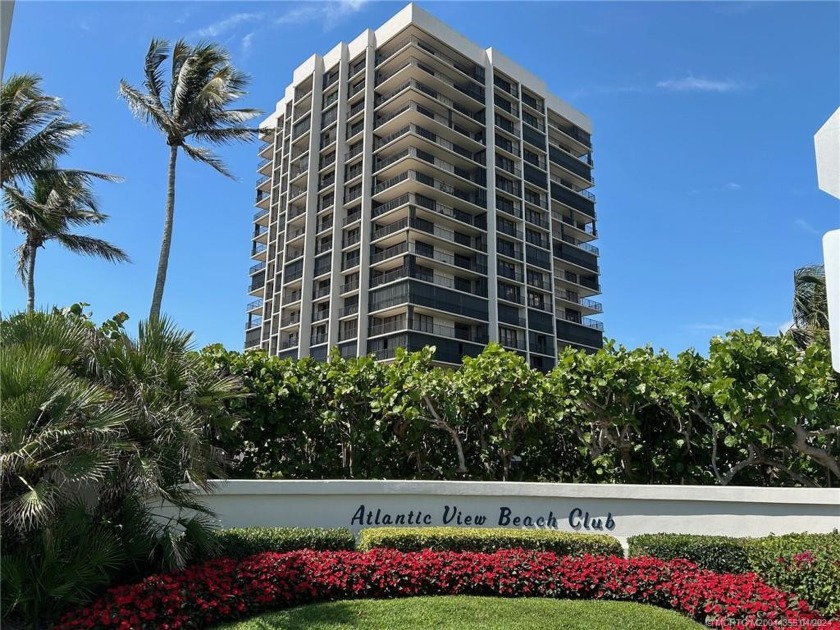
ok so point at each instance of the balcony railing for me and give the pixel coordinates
(356, 150)
(584, 246)
(259, 214)
(292, 296)
(255, 304)
(472, 73)
(474, 176)
(570, 297)
(349, 286)
(422, 326)
(428, 113)
(348, 310)
(255, 268)
(583, 321)
(583, 193)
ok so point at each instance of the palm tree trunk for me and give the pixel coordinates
(30, 279)
(166, 241)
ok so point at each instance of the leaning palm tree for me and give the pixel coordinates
(203, 85)
(50, 213)
(810, 305)
(34, 133)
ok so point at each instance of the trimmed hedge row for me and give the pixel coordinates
(805, 564)
(716, 553)
(247, 541)
(487, 540)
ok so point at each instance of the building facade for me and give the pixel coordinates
(416, 190)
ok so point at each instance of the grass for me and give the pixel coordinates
(473, 613)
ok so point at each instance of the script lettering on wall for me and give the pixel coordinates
(577, 519)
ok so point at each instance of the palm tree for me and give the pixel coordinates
(34, 133)
(49, 213)
(810, 305)
(99, 431)
(203, 85)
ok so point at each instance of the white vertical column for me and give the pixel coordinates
(367, 185)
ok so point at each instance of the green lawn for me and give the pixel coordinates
(474, 613)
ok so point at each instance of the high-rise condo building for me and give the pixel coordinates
(417, 189)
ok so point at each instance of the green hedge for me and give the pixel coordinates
(718, 553)
(240, 543)
(805, 564)
(488, 540)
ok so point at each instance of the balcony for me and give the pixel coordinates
(320, 316)
(432, 329)
(291, 297)
(348, 310)
(472, 72)
(255, 268)
(352, 285)
(474, 176)
(459, 284)
(513, 344)
(428, 113)
(433, 94)
(290, 320)
(254, 305)
(583, 321)
(568, 296)
(506, 86)
(577, 243)
(573, 132)
(461, 262)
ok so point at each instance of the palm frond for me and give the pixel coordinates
(200, 154)
(89, 246)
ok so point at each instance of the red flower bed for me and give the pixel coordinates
(225, 589)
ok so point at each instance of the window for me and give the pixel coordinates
(536, 300)
(508, 270)
(424, 323)
(508, 292)
(424, 249)
(508, 337)
(424, 273)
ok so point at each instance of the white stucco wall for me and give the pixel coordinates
(631, 509)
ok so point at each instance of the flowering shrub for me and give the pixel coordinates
(805, 564)
(225, 589)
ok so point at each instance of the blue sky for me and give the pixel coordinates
(704, 115)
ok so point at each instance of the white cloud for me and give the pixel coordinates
(696, 84)
(330, 12)
(223, 26)
(786, 326)
(247, 42)
(735, 323)
(733, 186)
(804, 225)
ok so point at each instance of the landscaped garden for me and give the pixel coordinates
(232, 587)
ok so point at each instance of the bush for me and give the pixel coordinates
(226, 589)
(716, 553)
(488, 540)
(805, 564)
(240, 543)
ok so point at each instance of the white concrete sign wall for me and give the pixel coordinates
(619, 510)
